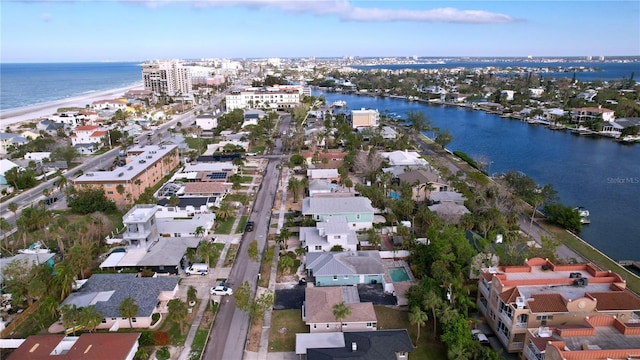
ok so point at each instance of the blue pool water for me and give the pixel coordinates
(398, 274)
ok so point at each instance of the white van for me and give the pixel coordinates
(196, 269)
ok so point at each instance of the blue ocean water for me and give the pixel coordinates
(33, 83)
(599, 174)
(607, 70)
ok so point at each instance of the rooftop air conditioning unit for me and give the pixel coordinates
(121, 174)
(130, 168)
(142, 161)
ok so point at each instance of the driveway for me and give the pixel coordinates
(289, 298)
(374, 293)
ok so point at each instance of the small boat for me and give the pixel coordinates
(339, 103)
(582, 211)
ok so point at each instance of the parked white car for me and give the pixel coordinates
(479, 336)
(221, 290)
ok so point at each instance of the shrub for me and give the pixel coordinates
(141, 354)
(161, 338)
(163, 353)
(146, 338)
(154, 318)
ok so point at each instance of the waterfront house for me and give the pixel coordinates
(598, 337)
(449, 211)
(95, 346)
(365, 118)
(423, 183)
(111, 104)
(404, 158)
(333, 231)
(514, 299)
(345, 267)
(357, 210)
(88, 135)
(388, 133)
(362, 345)
(447, 196)
(106, 292)
(580, 115)
(49, 126)
(317, 310)
(9, 139)
(29, 134)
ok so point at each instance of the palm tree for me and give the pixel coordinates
(4, 226)
(282, 238)
(294, 186)
(64, 278)
(286, 263)
(178, 310)
(341, 311)
(205, 248)
(418, 317)
(70, 316)
(199, 232)
(433, 301)
(128, 309)
(89, 317)
(13, 207)
(225, 211)
(138, 182)
(61, 183)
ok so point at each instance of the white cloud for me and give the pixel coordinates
(345, 11)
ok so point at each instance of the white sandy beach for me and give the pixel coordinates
(13, 116)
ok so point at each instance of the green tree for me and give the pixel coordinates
(63, 279)
(225, 211)
(64, 153)
(192, 294)
(252, 251)
(70, 316)
(294, 186)
(443, 138)
(87, 200)
(174, 201)
(13, 207)
(565, 216)
(205, 250)
(341, 311)
(243, 296)
(261, 304)
(286, 263)
(89, 317)
(419, 318)
(5, 226)
(178, 311)
(61, 183)
(419, 121)
(129, 309)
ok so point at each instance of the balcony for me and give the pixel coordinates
(516, 346)
(520, 325)
(531, 354)
(507, 317)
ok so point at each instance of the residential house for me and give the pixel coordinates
(598, 337)
(38, 156)
(144, 167)
(365, 118)
(207, 121)
(49, 126)
(106, 292)
(580, 115)
(323, 174)
(423, 183)
(317, 310)
(612, 128)
(345, 267)
(110, 104)
(9, 139)
(252, 117)
(6, 165)
(536, 92)
(438, 197)
(449, 211)
(388, 133)
(206, 189)
(29, 259)
(405, 158)
(95, 346)
(139, 94)
(29, 134)
(587, 95)
(357, 210)
(361, 345)
(514, 299)
(88, 135)
(508, 94)
(192, 204)
(321, 159)
(333, 231)
(319, 188)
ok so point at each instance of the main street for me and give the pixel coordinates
(229, 333)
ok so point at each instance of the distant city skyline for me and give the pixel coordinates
(68, 31)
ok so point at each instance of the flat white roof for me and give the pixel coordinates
(150, 154)
(318, 341)
(112, 260)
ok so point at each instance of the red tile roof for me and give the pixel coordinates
(510, 295)
(99, 134)
(616, 300)
(92, 346)
(547, 303)
(86, 128)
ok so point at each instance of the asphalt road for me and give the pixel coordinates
(229, 333)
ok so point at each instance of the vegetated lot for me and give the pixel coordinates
(289, 298)
(284, 326)
(374, 293)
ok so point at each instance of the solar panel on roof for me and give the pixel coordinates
(217, 175)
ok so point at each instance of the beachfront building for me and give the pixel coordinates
(9, 139)
(364, 118)
(540, 294)
(166, 78)
(144, 167)
(110, 104)
(272, 98)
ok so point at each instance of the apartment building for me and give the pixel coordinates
(144, 167)
(514, 299)
(364, 118)
(273, 98)
(166, 77)
(598, 337)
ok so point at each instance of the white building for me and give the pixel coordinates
(364, 118)
(273, 98)
(166, 77)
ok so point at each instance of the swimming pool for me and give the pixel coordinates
(398, 274)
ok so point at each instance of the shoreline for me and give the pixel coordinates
(15, 116)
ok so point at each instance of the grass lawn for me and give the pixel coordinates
(246, 179)
(231, 255)
(215, 255)
(284, 326)
(265, 267)
(428, 348)
(241, 224)
(224, 227)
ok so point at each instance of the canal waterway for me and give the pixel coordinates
(596, 173)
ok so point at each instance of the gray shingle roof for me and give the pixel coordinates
(337, 205)
(374, 345)
(106, 292)
(345, 263)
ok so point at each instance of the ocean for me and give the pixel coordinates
(33, 83)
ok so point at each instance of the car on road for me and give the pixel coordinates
(221, 290)
(249, 226)
(479, 336)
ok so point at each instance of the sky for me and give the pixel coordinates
(138, 30)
